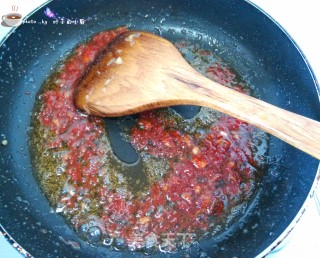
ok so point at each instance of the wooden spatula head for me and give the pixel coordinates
(135, 73)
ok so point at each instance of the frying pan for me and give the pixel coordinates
(249, 41)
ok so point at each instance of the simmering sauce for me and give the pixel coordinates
(196, 174)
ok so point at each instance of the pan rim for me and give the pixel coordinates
(311, 72)
(287, 232)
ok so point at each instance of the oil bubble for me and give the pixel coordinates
(119, 243)
(93, 235)
(108, 240)
(83, 230)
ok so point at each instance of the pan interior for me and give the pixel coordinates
(184, 175)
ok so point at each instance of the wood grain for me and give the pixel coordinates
(141, 71)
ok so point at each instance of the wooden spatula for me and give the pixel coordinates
(141, 71)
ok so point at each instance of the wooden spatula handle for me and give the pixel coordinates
(299, 131)
(142, 71)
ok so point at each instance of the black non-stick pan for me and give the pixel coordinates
(251, 42)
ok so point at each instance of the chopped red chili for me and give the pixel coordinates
(210, 162)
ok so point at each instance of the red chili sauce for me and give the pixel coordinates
(207, 171)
